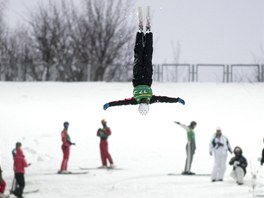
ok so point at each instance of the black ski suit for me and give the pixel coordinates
(143, 50)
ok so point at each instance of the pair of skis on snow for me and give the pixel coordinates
(25, 192)
(85, 170)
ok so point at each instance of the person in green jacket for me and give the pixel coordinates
(142, 75)
(190, 146)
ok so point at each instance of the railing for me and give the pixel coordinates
(209, 72)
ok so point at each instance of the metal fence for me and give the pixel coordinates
(209, 73)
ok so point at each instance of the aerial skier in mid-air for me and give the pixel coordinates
(143, 71)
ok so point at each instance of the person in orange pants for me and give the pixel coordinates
(104, 133)
(66, 143)
(2, 183)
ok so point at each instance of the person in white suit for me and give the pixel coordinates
(219, 146)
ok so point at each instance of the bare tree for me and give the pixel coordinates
(176, 59)
(109, 35)
(63, 41)
(259, 72)
(26, 56)
(79, 42)
(3, 38)
(52, 40)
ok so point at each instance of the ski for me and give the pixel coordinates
(114, 168)
(30, 191)
(4, 196)
(197, 174)
(148, 19)
(99, 168)
(140, 19)
(73, 173)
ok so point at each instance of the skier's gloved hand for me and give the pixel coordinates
(177, 122)
(179, 100)
(73, 143)
(236, 163)
(106, 105)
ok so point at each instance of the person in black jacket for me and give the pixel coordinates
(142, 74)
(239, 163)
(262, 156)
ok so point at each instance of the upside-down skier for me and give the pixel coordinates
(142, 73)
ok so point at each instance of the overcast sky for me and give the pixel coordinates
(209, 31)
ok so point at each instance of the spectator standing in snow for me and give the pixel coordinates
(239, 163)
(219, 145)
(13, 187)
(66, 143)
(104, 133)
(19, 165)
(190, 146)
(2, 184)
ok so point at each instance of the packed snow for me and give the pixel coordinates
(145, 148)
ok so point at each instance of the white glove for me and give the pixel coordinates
(236, 163)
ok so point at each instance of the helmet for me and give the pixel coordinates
(66, 124)
(103, 121)
(237, 150)
(193, 123)
(143, 108)
(18, 144)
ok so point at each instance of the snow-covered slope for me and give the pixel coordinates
(147, 148)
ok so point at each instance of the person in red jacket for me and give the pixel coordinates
(14, 183)
(103, 133)
(2, 183)
(19, 165)
(66, 143)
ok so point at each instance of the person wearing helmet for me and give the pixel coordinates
(20, 164)
(66, 143)
(219, 146)
(190, 146)
(14, 183)
(239, 163)
(104, 133)
(142, 75)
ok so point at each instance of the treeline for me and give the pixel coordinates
(65, 42)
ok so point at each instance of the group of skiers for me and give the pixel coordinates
(103, 133)
(219, 147)
(20, 163)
